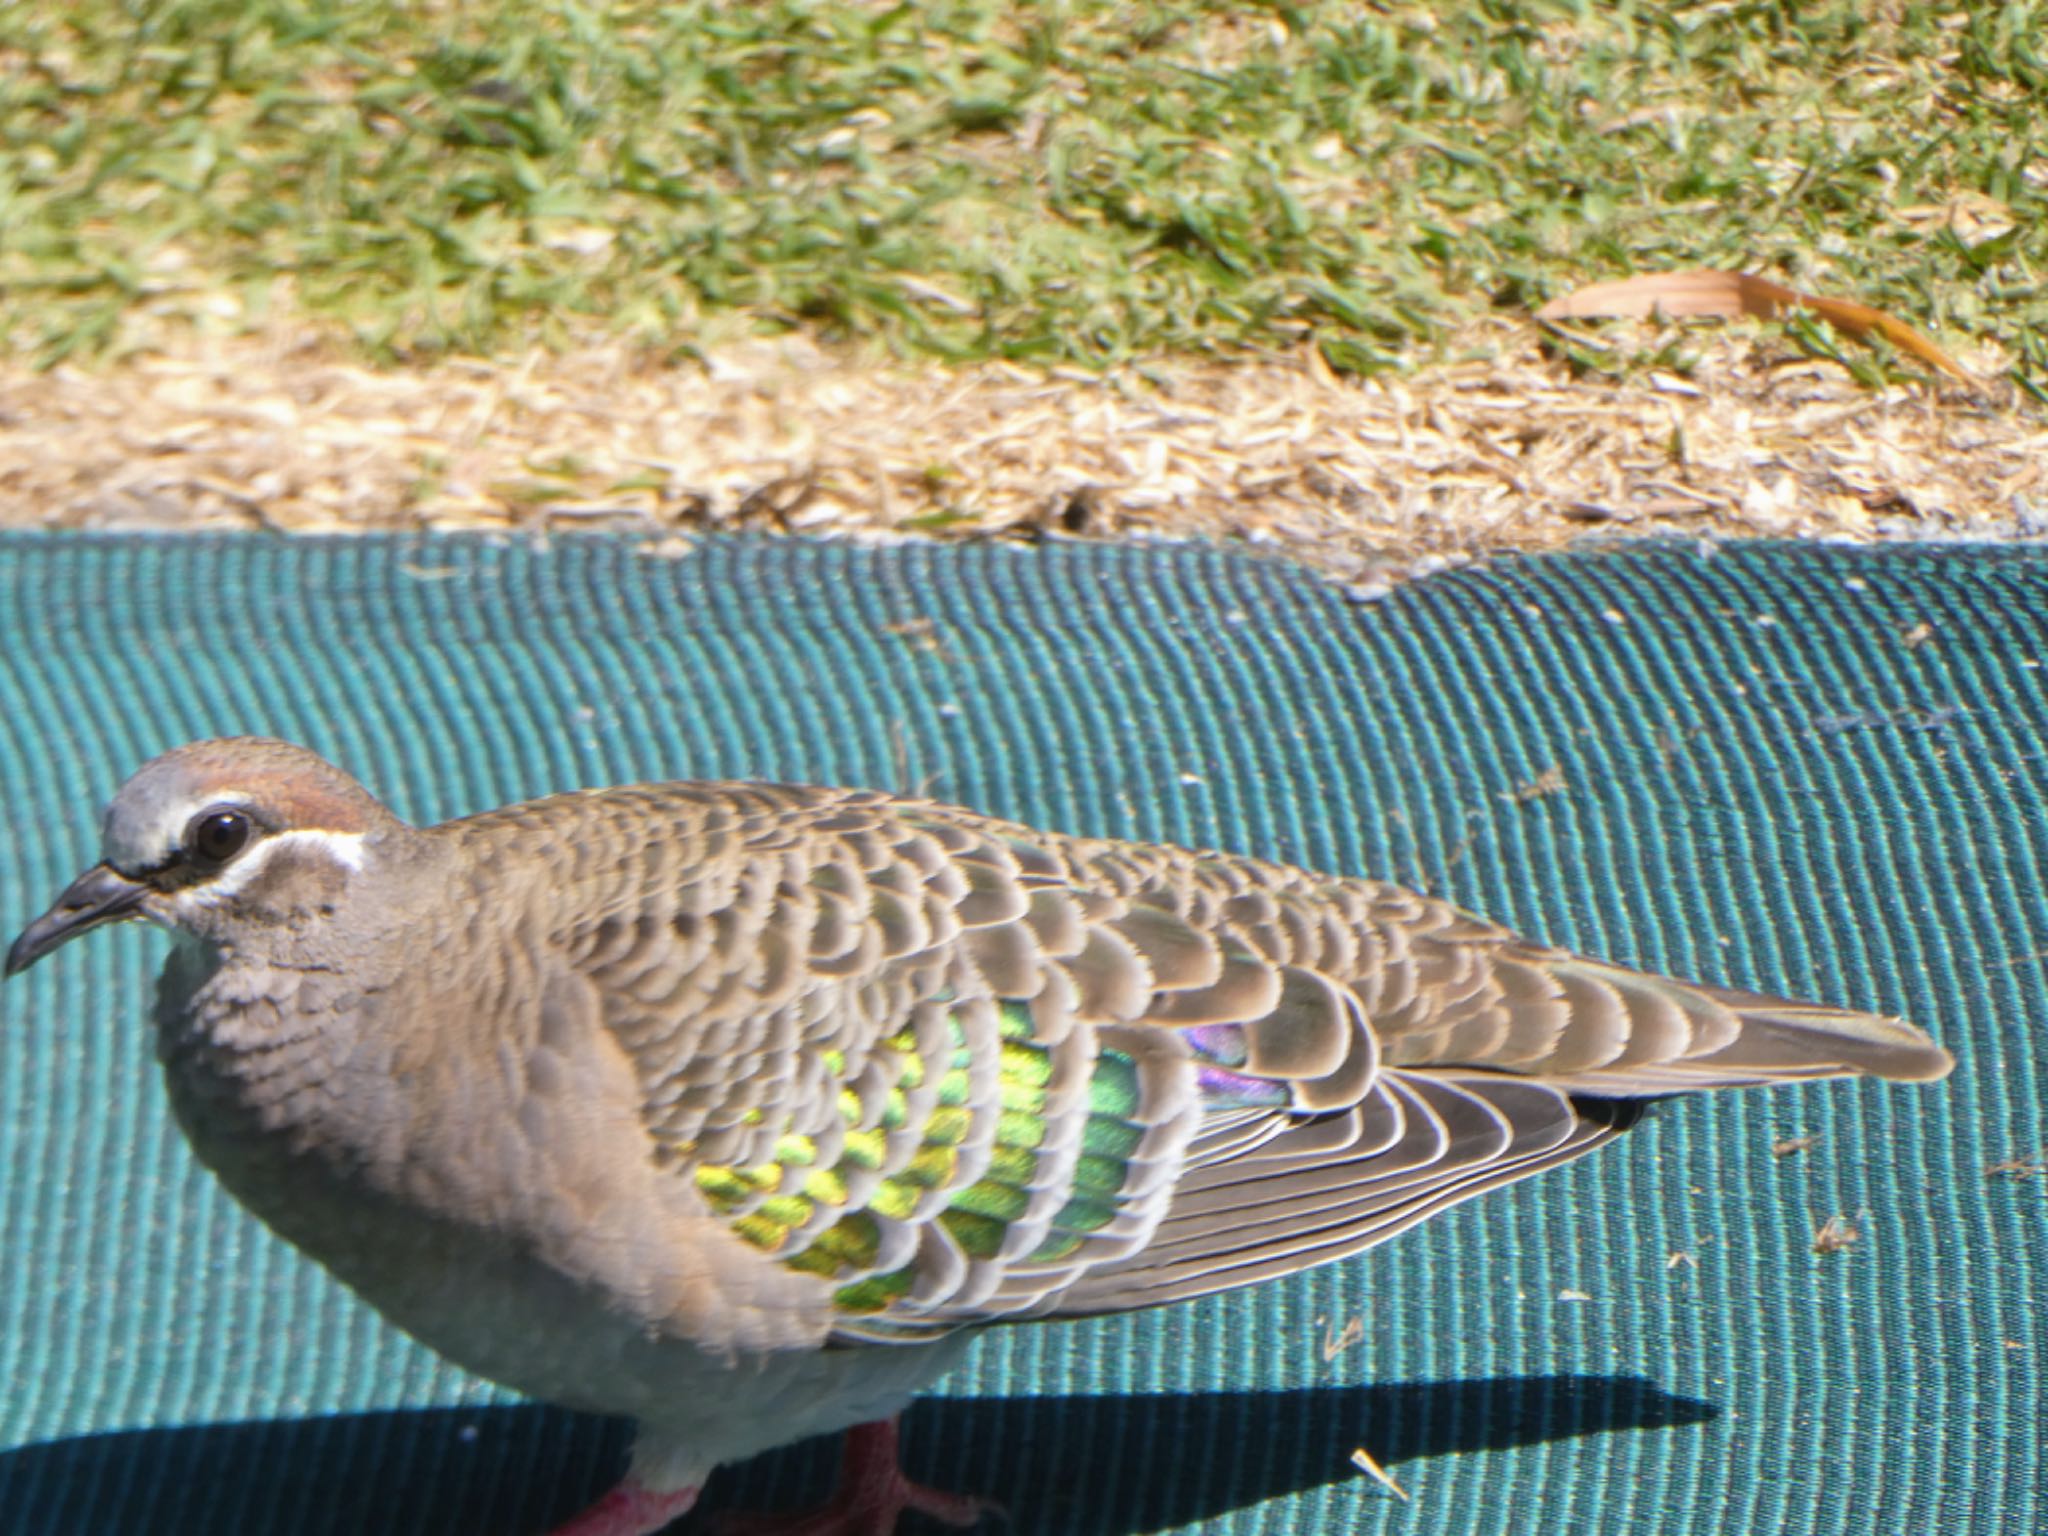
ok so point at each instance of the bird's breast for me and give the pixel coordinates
(474, 1185)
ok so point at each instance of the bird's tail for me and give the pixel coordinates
(1630, 1034)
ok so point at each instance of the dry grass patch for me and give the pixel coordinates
(1508, 450)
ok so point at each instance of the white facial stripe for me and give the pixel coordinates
(344, 847)
(347, 847)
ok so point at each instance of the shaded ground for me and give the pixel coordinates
(1062, 1466)
(1518, 446)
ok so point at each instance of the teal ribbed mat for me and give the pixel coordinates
(1815, 771)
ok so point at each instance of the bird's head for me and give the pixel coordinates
(233, 841)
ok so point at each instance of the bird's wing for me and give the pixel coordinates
(962, 1071)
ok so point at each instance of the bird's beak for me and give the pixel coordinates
(101, 895)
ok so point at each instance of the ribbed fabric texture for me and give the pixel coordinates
(1807, 770)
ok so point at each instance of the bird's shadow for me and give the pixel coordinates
(1079, 1466)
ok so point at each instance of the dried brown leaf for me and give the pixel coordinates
(1836, 1234)
(1727, 295)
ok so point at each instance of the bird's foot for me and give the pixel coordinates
(872, 1494)
(630, 1510)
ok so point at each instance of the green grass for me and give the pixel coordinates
(1079, 183)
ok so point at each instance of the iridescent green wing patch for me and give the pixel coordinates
(1109, 1140)
(786, 1206)
(807, 1214)
(776, 1205)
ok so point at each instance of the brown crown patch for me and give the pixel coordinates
(288, 784)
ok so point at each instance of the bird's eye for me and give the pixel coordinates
(216, 836)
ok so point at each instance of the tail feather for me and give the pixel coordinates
(1735, 1039)
(1785, 1039)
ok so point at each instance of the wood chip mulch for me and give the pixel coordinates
(1373, 478)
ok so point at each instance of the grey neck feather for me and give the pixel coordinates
(267, 997)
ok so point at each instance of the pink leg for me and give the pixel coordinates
(630, 1510)
(872, 1493)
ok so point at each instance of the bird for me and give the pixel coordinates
(739, 1108)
